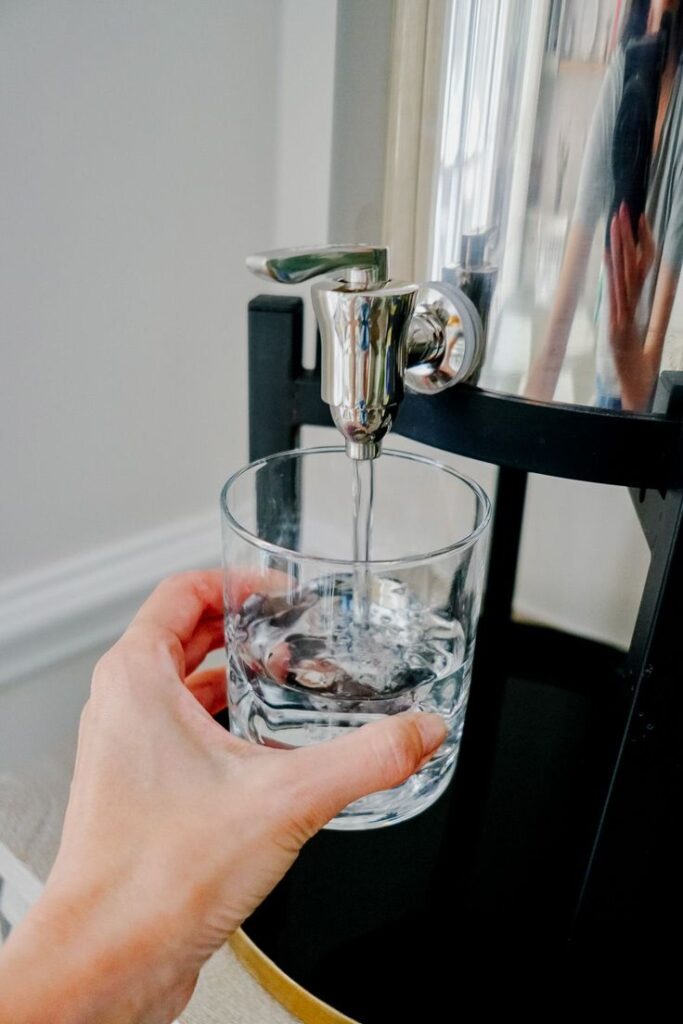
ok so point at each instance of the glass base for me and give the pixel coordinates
(393, 806)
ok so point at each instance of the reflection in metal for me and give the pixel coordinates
(446, 342)
(293, 266)
(378, 335)
(484, 72)
(541, 136)
(476, 277)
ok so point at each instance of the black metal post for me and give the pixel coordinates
(482, 723)
(633, 886)
(275, 346)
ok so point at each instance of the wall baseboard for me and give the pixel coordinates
(83, 602)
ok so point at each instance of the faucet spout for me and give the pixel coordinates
(362, 452)
(378, 336)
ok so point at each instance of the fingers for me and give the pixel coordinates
(378, 756)
(189, 607)
(279, 661)
(611, 289)
(180, 602)
(210, 688)
(208, 636)
(617, 260)
(241, 583)
(629, 256)
(646, 243)
(627, 265)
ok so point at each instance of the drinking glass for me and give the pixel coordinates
(352, 591)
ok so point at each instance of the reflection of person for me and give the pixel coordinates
(175, 829)
(628, 361)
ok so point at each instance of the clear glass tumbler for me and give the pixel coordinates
(320, 639)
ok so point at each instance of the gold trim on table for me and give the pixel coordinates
(292, 996)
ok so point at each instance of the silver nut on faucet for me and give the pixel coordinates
(378, 336)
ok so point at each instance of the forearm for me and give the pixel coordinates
(546, 367)
(66, 963)
(637, 379)
(638, 364)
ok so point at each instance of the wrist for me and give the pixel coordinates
(82, 959)
(636, 379)
(636, 384)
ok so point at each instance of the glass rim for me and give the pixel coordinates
(463, 543)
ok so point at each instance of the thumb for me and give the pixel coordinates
(377, 756)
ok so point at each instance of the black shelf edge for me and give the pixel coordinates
(575, 442)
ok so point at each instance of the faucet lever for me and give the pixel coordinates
(362, 265)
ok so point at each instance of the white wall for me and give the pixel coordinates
(147, 147)
(304, 136)
(39, 713)
(583, 559)
(138, 169)
(304, 125)
(361, 110)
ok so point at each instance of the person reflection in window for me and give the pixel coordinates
(641, 276)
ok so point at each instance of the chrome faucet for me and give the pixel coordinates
(378, 336)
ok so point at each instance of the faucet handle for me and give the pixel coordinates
(446, 339)
(361, 265)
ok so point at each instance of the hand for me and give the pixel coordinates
(628, 264)
(175, 829)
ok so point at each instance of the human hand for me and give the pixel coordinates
(175, 829)
(628, 263)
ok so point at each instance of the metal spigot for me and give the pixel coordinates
(378, 336)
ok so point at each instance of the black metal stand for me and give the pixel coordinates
(610, 795)
(633, 888)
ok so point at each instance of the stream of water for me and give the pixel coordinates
(363, 488)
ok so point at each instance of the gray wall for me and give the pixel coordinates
(361, 99)
(147, 147)
(138, 158)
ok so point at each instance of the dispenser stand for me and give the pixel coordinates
(620, 862)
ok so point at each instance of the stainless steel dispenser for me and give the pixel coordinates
(476, 277)
(378, 336)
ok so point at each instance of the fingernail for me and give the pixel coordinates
(432, 730)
